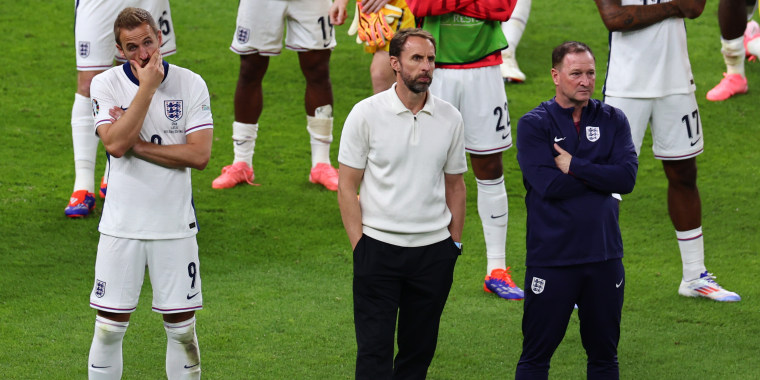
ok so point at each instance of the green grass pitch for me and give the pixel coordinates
(276, 263)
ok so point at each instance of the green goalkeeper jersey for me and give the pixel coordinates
(462, 39)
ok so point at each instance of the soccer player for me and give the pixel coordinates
(406, 227)
(734, 40)
(649, 78)
(259, 35)
(93, 32)
(513, 29)
(401, 17)
(576, 156)
(470, 42)
(164, 131)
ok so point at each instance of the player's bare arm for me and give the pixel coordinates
(617, 17)
(195, 153)
(563, 159)
(120, 136)
(455, 200)
(350, 211)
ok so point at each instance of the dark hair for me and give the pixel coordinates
(399, 39)
(569, 47)
(131, 18)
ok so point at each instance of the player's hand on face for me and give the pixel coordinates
(115, 113)
(153, 73)
(372, 6)
(563, 159)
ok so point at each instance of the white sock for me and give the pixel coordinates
(733, 55)
(320, 129)
(692, 246)
(85, 143)
(493, 210)
(753, 47)
(514, 27)
(183, 358)
(243, 141)
(105, 361)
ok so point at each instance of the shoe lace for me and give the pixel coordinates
(506, 276)
(710, 278)
(237, 171)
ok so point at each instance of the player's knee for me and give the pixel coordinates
(181, 332)
(252, 68)
(108, 331)
(681, 173)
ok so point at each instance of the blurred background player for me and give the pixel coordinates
(735, 37)
(259, 35)
(470, 41)
(162, 129)
(649, 78)
(513, 29)
(395, 14)
(96, 51)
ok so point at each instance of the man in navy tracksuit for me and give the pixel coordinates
(576, 156)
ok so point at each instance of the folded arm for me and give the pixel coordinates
(195, 153)
(617, 17)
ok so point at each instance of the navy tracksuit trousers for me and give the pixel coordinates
(550, 294)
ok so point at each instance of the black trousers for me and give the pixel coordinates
(550, 293)
(411, 284)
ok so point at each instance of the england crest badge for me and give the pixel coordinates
(173, 109)
(592, 133)
(537, 285)
(100, 289)
(84, 49)
(243, 34)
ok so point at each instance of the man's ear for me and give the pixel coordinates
(395, 65)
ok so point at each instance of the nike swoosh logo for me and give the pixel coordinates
(191, 366)
(240, 142)
(191, 297)
(620, 283)
(95, 366)
(504, 137)
(557, 139)
(498, 216)
(695, 142)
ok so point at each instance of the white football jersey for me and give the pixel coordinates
(651, 62)
(145, 200)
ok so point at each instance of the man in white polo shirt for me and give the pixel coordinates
(405, 149)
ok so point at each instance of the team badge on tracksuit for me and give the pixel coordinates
(592, 133)
(537, 286)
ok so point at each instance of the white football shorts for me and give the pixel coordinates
(479, 95)
(675, 121)
(261, 24)
(93, 30)
(174, 274)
